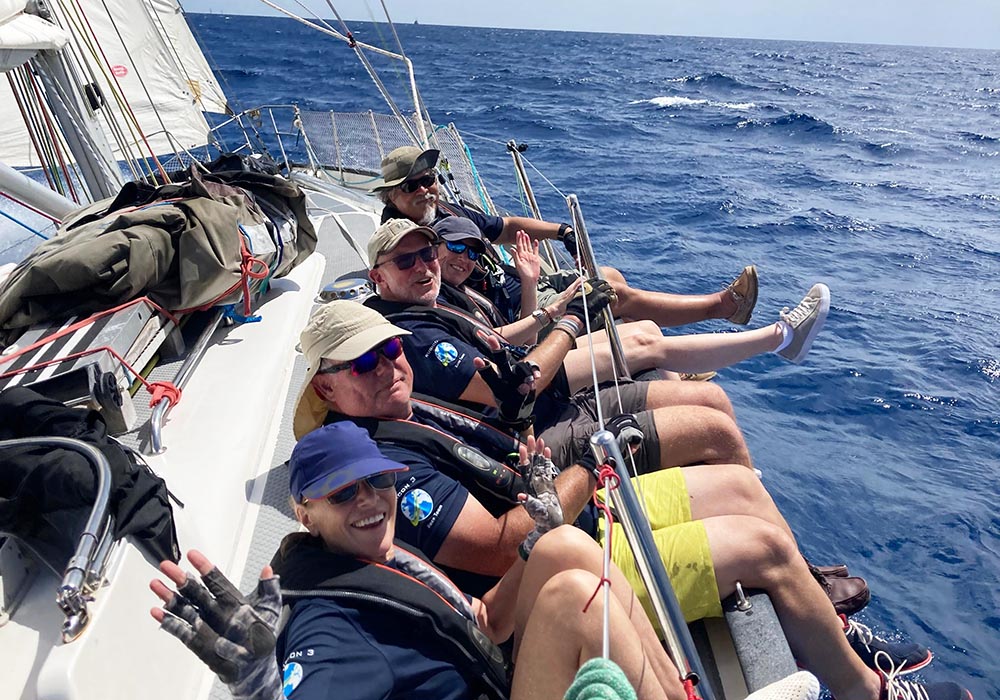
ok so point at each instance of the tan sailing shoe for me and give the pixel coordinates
(743, 290)
(698, 376)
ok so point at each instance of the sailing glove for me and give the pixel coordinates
(542, 502)
(627, 430)
(568, 237)
(513, 387)
(599, 295)
(232, 633)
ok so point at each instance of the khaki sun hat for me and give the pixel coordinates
(403, 162)
(388, 235)
(340, 331)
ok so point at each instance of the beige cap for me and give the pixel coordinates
(340, 331)
(388, 235)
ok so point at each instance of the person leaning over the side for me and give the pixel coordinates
(372, 618)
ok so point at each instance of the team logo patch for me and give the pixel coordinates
(292, 678)
(416, 505)
(445, 352)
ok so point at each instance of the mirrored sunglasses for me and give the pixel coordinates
(367, 362)
(425, 181)
(379, 482)
(460, 248)
(408, 260)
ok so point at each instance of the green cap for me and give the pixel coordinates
(404, 162)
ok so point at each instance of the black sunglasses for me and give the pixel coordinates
(367, 362)
(463, 248)
(379, 482)
(425, 181)
(408, 260)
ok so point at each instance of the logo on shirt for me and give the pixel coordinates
(416, 506)
(445, 352)
(292, 678)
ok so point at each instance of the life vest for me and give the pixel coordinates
(309, 571)
(491, 481)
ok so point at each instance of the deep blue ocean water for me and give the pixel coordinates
(875, 169)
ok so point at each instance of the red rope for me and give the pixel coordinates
(608, 479)
(689, 689)
(159, 390)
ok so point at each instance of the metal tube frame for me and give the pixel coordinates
(522, 176)
(90, 558)
(677, 638)
(586, 253)
(190, 362)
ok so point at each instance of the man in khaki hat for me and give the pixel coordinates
(410, 190)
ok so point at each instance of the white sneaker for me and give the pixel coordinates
(806, 320)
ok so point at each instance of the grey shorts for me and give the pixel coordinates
(569, 437)
(551, 286)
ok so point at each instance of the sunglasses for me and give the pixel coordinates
(408, 260)
(379, 482)
(367, 362)
(425, 181)
(460, 248)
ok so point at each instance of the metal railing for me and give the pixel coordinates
(85, 569)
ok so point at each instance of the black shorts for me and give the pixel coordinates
(569, 437)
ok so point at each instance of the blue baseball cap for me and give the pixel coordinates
(330, 458)
(458, 228)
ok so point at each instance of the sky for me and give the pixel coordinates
(957, 23)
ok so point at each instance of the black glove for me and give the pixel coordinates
(627, 430)
(599, 295)
(588, 461)
(233, 634)
(568, 237)
(515, 409)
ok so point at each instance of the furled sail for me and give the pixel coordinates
(151, 78)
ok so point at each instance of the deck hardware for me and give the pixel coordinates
(744, 603)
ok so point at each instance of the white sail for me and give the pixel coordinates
(147, 54)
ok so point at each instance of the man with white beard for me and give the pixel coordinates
(410, 191)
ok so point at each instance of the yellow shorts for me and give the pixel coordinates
(682, 543)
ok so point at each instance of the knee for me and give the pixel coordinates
(562, 548)
(714, 396)
(767, 552)
(613, 276)
(567, 590)
(743, 490)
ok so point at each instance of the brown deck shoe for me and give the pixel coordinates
(743, 290)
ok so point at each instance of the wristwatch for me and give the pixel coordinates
(541, 317)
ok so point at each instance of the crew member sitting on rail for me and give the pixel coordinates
(462, 245)
(372, 618)
(410, 190)
(714, 525)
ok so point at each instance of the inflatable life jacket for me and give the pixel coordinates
(491, 481)
(308, 570)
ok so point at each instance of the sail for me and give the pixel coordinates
(148, 56)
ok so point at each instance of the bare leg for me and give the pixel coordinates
(731, 489)
(690, 435)
(569, 547)
(761, 555)
(666, 309)
(555, 637)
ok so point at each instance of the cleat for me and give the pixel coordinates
(806, 320)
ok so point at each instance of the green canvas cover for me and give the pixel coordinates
(179, 244)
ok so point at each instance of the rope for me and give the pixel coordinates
(31, 208)
(600, 679)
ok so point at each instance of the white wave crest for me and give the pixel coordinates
(674, 101)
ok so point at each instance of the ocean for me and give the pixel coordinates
(875, 169)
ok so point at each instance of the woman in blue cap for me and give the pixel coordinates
(372, 618)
